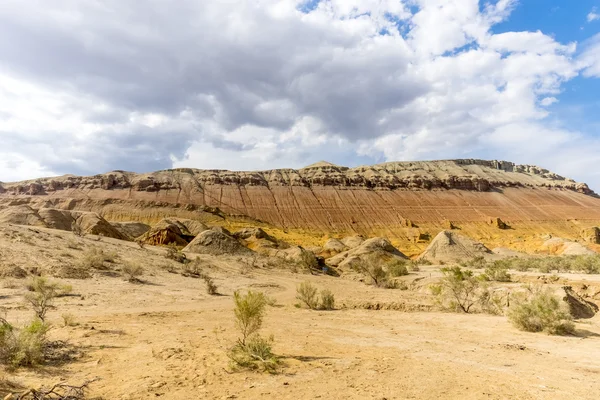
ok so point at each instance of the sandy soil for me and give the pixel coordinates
(168, 339)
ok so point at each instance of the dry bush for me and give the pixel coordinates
(77, 229)
(173, 253)
(24, 346)
(132, 271)
(251, 350)
(95, 258)
(327, 300)
(211, 287)
(42, 294)
(68, 319)
(74, 244)
(541, 311)
(307, 294)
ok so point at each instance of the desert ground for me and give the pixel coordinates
(166, 337)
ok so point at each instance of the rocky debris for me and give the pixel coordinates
(591, 235)
(578, 306)
(216, 243)
(353, 241)
(374, 249)
(498, 223)
(564, 247)
(131, 229)
(168, 231)
(449, 246)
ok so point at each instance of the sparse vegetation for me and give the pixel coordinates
(497, 272)
(42, 294)
(397, 268)
(211, 287)
(307, 294)
(459, 290)
(173, 253)
(68, 319)
(77, 229)
(541, 311)
(133, 271)
(251, 351)
(327, 300)
(24, 346)
(95, 257)
(378, 275)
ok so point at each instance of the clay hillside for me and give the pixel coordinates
(497, 202)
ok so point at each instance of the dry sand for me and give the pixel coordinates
(168, 339)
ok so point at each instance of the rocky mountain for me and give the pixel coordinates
(406, 201)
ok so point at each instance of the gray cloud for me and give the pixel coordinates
(95, 86)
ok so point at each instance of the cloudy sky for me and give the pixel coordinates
(92, 86)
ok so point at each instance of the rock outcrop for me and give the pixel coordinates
(323, 197)
(216, 243)
(173, 231)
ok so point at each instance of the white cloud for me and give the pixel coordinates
(87, 87)
(593, 15)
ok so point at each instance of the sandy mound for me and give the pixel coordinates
(21, 215)
(216, 243)
(333, 247)
(132, 230)
(353, 241)
(503, 252)
(449, 246)
(375, 248)
(564, 247)
(89, 222)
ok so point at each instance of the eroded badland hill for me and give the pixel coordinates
(462, 279)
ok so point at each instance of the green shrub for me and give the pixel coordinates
(25, 346)
(249, 311)
(307, 294)
(372, 268)
(497, 272)
(458, 290)
(255, 354)
(397, 268)
(251, 350)
(541, 311)
(327, 300)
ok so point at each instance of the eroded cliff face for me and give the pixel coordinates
(324, 197)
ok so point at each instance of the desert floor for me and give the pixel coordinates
(167, 338)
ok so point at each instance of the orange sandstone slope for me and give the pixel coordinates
(400, 200)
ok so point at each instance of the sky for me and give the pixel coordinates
(87, 87)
